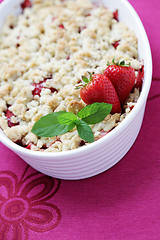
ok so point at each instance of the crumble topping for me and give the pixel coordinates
(43, 54)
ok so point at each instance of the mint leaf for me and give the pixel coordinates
(95, 112)
(67, 118)
(49, 126)
(85, 131)
(57, 123)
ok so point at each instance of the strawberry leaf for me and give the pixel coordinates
(90, 75)
(95, 112)
(121, 63)
(85, 79)
(85, 131)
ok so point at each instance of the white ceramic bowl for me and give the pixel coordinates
(106, 152)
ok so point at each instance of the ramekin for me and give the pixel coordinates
(101, 155)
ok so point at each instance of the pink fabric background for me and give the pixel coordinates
(122, 203)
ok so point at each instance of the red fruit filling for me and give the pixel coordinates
(38, 87)
(17, 45)
(29, 146)
(131, 107)
(116, 15)
(9, 115)
(11, 26)
(116, 44)
(58, 140)
(87, 15)
(82, 143)
(19, 142)
(53, 90)
(26, 4)
(61, 26)
(139, 78)
(44, 146)
(81, 29)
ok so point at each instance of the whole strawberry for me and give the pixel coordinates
(98, 88)
(122, 77)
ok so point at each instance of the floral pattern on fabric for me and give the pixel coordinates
(24, 205)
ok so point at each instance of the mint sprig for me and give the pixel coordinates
(58, 123)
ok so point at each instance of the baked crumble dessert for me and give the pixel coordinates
(44, 52)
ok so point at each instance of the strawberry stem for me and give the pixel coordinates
(79, 85)
(119, 63)
(84, 81)
(90, 75)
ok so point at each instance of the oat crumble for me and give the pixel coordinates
(43, 54)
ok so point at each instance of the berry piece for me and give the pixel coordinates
(122, 77)
(88, 15)
(116, 15)
(26, 4)
(11, 26)
(37, 88)
(61, 26)
(19, 142)
(53, 89)
(116, 44)
(82, 143)
(18, 45)
(29, 146)
(80, 29)
(139, 78)
(9, 115)
(100, 89)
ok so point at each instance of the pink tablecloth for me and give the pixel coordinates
(122, 203)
